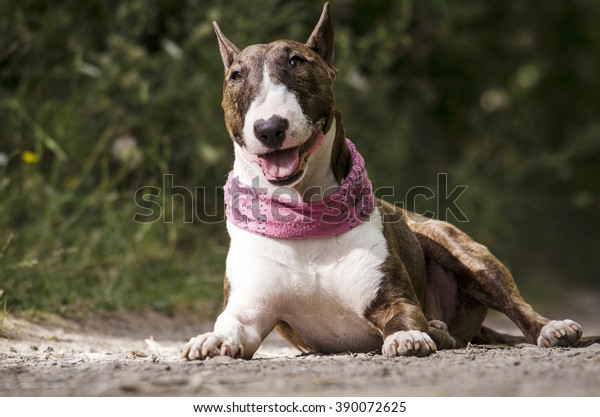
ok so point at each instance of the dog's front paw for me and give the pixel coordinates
(408, 343)
(208, 345)
(559, 333)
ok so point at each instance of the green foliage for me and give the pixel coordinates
(100, 98)
(3, 313)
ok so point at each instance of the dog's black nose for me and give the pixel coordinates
(271, 132)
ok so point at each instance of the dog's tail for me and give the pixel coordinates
(487, 336)
(588, 340)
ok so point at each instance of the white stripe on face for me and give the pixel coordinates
(275, 100)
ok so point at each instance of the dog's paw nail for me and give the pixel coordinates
(390, 348)
(559, 333)
(408, 343)
(432, 346)
(576, 328)
(209, 345)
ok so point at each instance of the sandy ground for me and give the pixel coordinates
(139, 355)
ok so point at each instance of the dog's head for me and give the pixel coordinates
(278, 101)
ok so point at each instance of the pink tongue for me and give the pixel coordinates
(279, 164)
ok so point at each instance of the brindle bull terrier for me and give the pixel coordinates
(314, 255)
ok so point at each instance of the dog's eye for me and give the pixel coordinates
(296, 60)
(235, 75)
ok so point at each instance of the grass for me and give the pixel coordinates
(68, 243)
(96, 102)
(4, 312)
(103, 260)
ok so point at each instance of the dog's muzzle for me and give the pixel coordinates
(283, 166)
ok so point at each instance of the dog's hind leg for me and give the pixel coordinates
(484, 282)
(438, 331)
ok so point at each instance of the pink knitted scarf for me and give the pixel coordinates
(282, 215)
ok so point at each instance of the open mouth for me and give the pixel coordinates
(280, 165)
(286, 166)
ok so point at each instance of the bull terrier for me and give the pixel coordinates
(314, 255)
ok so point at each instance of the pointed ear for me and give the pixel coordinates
(228, 50)
(321, 39)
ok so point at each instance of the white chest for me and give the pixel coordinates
(319, 286)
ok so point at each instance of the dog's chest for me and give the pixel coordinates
(321, 287)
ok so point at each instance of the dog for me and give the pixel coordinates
(314, 255)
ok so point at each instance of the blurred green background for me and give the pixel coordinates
(99, 98)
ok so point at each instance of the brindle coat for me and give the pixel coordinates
(436, 275)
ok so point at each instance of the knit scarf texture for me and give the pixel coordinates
(285, 215)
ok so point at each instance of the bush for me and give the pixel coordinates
(101, 98)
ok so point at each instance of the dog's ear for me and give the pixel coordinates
(228, 50)
(321, 39)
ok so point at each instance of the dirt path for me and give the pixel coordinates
(115, 355)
